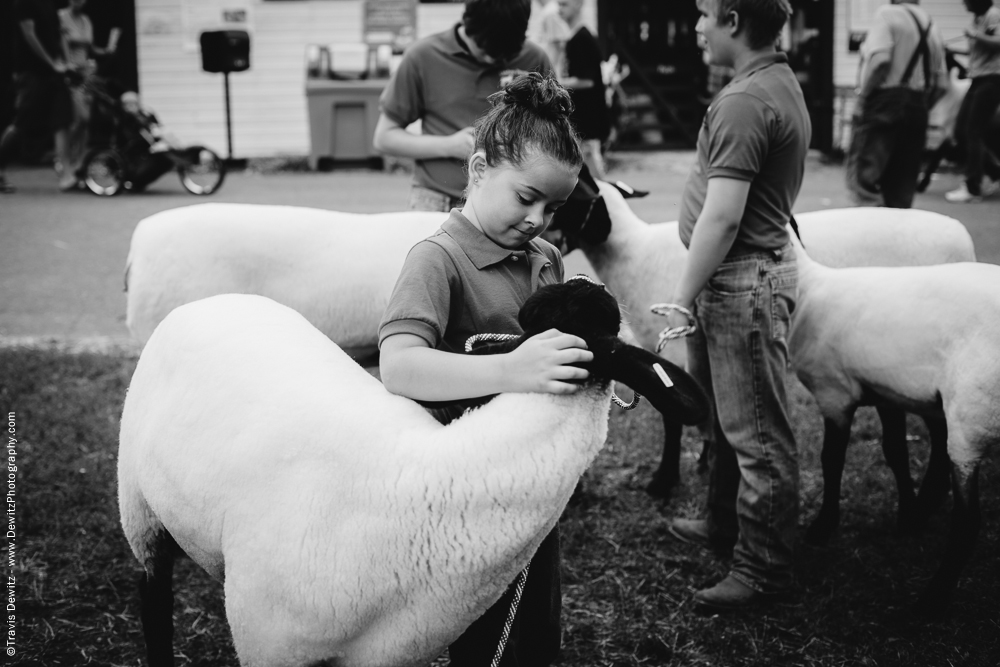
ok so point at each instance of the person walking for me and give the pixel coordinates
(78, 48)
(739, 284)
(444, 81)
(903, 74)
(43, 104)
(591, 116)
(980, 104)
(547, 29)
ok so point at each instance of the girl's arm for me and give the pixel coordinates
(411, 368)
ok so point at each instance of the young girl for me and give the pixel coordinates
(471, 277)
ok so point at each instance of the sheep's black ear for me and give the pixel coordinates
(597, 227)
(584, 216)
(683, 399)
(628, 192)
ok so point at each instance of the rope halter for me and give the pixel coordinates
(673, 333)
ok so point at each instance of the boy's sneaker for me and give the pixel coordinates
(961, 195)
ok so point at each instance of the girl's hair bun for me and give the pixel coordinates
(529, 113)
(541, 94)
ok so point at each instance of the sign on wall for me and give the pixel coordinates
(390, 22)
(197, 16)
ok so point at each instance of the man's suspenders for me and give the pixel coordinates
(921, 50)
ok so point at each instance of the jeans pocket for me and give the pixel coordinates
(735, 279)
(782, 289)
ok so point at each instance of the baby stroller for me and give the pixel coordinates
(139, 151)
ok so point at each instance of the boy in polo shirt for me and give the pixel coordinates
(472, 277)
(740, 281)
(444, 80)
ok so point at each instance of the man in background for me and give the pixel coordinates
(903, 74)
(444, 81)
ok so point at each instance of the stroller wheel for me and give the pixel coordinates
(104, 172)
(202, 171)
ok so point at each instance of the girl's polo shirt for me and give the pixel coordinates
(459, 283)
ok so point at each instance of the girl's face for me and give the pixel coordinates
(512, 205)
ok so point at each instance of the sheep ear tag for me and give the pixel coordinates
(667, 387)
(662, 374)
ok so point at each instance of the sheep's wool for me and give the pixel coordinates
(347, 524)
(337, 269)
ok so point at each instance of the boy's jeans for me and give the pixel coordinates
(743, 315)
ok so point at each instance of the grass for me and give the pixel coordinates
(627, 584)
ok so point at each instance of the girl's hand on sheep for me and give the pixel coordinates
(541, 364)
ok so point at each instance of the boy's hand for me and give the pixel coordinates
(463, 143)
(540, 364)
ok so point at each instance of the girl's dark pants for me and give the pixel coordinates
(536, 634)
(971, 127)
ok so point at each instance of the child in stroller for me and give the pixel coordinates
(141, 151)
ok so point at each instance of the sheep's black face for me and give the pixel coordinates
(584, 217)
(578, 307)
(587, 310)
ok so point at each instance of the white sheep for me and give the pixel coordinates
(337, 269)
(641, 263)
(921, 339)
(348, 525)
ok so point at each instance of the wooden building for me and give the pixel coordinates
(655, 37)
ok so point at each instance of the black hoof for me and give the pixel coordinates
(818, 535)
(661, 486)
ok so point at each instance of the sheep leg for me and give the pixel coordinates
(668, 474)
(156, 598)
(897, 456)
(706, 445)
(934, 488)
(965, 523)
(933, 162)
(835, 439)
